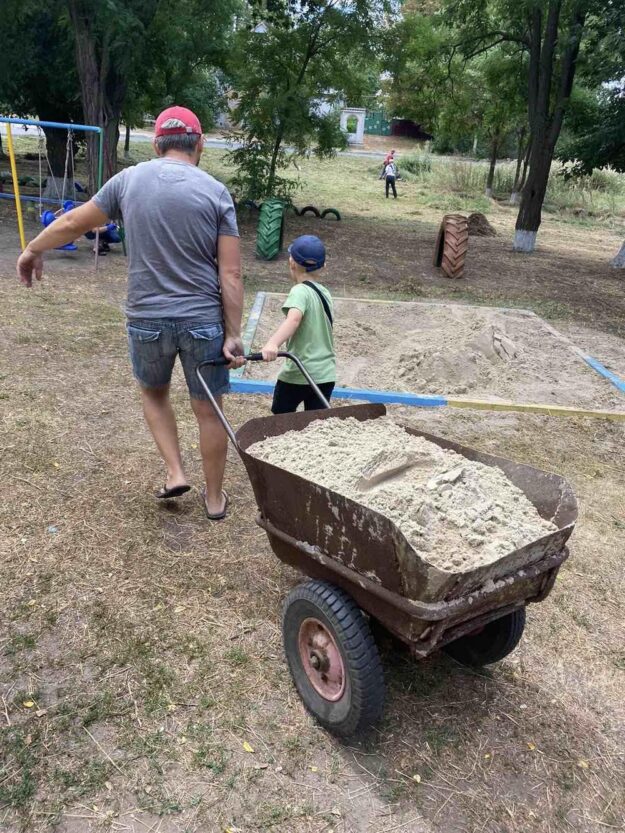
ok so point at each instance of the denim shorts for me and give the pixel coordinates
(154, 343)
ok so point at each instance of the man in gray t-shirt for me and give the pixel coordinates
(185, 295)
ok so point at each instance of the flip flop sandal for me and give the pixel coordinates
(219, 516)
(175, 491)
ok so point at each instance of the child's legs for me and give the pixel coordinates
(312, 401)
(287, 397)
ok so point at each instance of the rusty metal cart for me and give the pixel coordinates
(360, 562)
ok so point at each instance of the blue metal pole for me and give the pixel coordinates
(35, 123)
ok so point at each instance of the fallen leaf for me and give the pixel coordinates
(531, 746)
(41, 712)
(247, 747)
(582, 763)
(56, 465)
(335, 812)
(261, 766)
(314, 769)
(28, 704)
(416, 777)
(28, 740)
(148, 789)
(32, 603)
(183, 739)
(487, 755)
(108, 785)
(178, 609)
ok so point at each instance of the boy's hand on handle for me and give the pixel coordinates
(270, 352)
(233, 351)
(29, 262)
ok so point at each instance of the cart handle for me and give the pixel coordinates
(251, 357)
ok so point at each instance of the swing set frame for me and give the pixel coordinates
(81, 128)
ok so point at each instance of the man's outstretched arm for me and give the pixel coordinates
(64, 229)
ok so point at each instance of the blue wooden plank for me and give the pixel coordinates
(611, 377)
(383, 396)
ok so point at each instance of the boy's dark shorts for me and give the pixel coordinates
(287, 397)
(154, 343)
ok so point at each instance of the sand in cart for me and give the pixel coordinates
(456, 513)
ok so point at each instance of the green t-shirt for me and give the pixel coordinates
(312, 342)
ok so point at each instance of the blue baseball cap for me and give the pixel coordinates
(308, 251)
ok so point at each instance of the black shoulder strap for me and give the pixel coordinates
(322, 298)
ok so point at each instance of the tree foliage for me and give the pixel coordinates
(597, 136)
(291, 67)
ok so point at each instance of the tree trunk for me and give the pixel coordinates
(548, 98)
(619, 261)
(533, 196)
(102, 89)
(521, 156)
(59, 183)
(474, 145)
(127, 142)
(493, 164)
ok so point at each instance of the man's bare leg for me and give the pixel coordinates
(213, 445)
(161, 421)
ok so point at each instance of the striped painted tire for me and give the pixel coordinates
(270, 232)
(452, 244)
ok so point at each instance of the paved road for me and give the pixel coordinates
(211, 142)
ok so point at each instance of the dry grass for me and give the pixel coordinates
(148, 641)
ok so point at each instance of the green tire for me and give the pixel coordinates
(270, 232)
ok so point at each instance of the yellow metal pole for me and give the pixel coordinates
(531, 408)
(16, 187)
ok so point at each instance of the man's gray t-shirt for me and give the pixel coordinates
(173, 213)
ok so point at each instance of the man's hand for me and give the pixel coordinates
(233, 351)
(270, 352)
(29, 262)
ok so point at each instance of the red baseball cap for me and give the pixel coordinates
(176, 120)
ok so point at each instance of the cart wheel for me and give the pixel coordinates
(333, 658)
(494, 642)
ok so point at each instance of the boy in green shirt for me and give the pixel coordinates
(307, 330)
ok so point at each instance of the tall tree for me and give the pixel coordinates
(551, 32)
(292, 65)
(122, 42)
(37, 72)
(600, 142)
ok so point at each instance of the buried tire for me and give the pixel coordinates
(493, 642)
(452, 243)
(333, 658)
(270, 231)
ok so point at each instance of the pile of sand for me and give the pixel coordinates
(456, 513)
(453, 350)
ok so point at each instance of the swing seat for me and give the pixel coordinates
(49, 217)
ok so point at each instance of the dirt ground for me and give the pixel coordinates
(454, 349)
(142, 681)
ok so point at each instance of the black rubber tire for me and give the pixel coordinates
(270, 231)
(328, 211)
(250, 204)
(362, 702)
(309, 209)
(498, 639)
